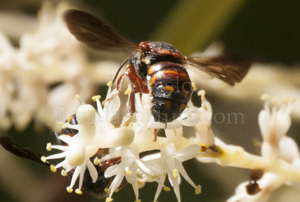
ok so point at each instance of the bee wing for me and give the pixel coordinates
(228, 68)
(91, 31)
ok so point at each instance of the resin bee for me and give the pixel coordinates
(155, 67)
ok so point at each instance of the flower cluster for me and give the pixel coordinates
(274, 122)
(278, 164)
(128, 142)
(46, 71)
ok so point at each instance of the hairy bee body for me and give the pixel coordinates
(169, 85)
(170, 88)
(155, 67)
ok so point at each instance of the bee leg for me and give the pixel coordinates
(137, 86)
(113, 94)
(141, 89)
(155, 134)
(131, 102)
(133, 77)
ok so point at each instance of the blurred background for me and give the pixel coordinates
(42, 68)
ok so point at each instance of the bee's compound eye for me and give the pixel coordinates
(144, 46)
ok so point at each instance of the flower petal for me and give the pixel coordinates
(60, 147)
(113, 170)
(184, 174)
(189, 152)
(76, 174)
(65, 138)
(92, 170)
(57, 156)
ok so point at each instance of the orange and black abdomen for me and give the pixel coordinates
(170, 88)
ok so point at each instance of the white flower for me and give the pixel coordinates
(171, 161)
(48, 56)
(94, 131)
(289, 150)
(80, 147)
(268, 183)
(46, 71)
(274, 123)
(130, 163)
(203, 129)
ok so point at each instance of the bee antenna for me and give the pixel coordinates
(120, 69)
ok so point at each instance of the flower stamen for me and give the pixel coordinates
(107, 190)
(69, 189)
(80, 100)
(53, 169)
(96, 161)
(49, 147)
(96, 97)
(127, 91)
(198, 189)
(43, 159)
(175, 173)
(139, 175)
(274, 103)
(128, 172)
(108, 199)
(109, 83)
(78, 191)
(167, 188)
(194, 86)
(203, 105)
(265, 97)
(155, 177)
(63, 173)
(130, 125)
